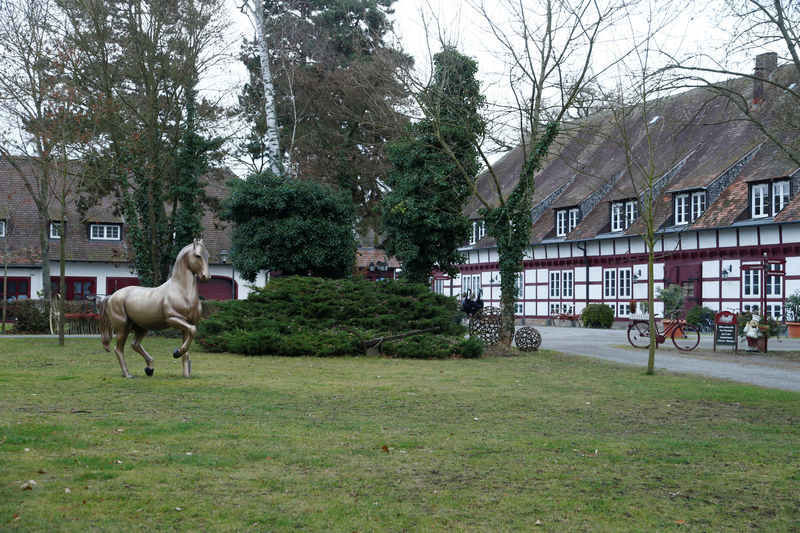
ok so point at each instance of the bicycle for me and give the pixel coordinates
(560, 319)
(684, 336)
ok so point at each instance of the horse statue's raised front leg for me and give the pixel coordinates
(189, 331)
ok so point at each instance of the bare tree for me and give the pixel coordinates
(769, 30)
(547, 47)
(28, 41)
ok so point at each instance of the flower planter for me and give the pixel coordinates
(794, 329)
(678, 330)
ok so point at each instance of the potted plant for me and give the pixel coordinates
(673, 300)
(792, 309)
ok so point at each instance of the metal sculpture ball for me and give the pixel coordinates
(174, 304)
(528, 339)
(486, 325)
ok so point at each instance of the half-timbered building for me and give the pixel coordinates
(726, 201)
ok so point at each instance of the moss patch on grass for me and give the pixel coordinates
(364, 444)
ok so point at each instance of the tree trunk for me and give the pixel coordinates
(62, 278)
(5, 288)
(273, 145)
(651, 356)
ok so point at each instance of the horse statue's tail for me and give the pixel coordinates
(106, 330)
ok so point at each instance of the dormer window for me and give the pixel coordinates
(780, 195)
(768, 199)
(689, 207)
(566, 221)
(623, 214)
(55, 230)
(104, 232)
(2, 228)
(478, 231)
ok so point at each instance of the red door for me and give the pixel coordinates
(115, 284)
(217, 288)
(76, 288)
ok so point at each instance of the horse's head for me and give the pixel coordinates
(198, 260)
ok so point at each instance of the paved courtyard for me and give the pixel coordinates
(771, 371)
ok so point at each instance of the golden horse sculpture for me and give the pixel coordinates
(174, 304)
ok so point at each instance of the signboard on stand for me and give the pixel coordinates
(726, 325)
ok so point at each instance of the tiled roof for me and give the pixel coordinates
(365, 256)
(688, 141)
(18, 208)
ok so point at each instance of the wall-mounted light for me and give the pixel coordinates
(637, 275)
(223, 256)
(132, 268)
(727, 271)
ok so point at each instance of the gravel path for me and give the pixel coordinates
(781, 371)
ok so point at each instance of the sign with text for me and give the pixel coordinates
(725, 329)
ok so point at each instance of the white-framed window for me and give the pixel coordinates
(471, 285)
(567, 220)
(617, 222)
(623, 214)
(759, 194)
(631, 212)
(610, 283)
(438, 286)
(780, 195)
(698, 204)
(566, 283)
(54, 230)
(681, 209)
(561, 223)
(774, 284)
(775, 311)
(624, 309)
(750, 283)
(555, 308)
(555, 284)
(104, 232)
(519, 283)
(574, 218)
(624, 282)
(478, 231)
(2, 228)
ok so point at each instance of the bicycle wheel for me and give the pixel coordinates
(686, 337)
(639, 334)
(557, 320)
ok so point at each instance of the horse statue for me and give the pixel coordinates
(174, 304)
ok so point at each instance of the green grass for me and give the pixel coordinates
(277, 444)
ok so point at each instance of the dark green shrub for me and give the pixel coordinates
(32, 316)
(311, 316)
(433, 347)
(597, 316)
(698, 314)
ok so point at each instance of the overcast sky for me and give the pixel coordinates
(691, 30)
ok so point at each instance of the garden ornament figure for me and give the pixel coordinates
(174, 304)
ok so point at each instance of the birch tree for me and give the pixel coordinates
(255, 9)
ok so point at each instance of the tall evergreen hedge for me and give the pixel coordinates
(295, 316)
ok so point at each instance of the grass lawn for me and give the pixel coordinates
(540, 442)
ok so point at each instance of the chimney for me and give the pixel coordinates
(765, 66)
